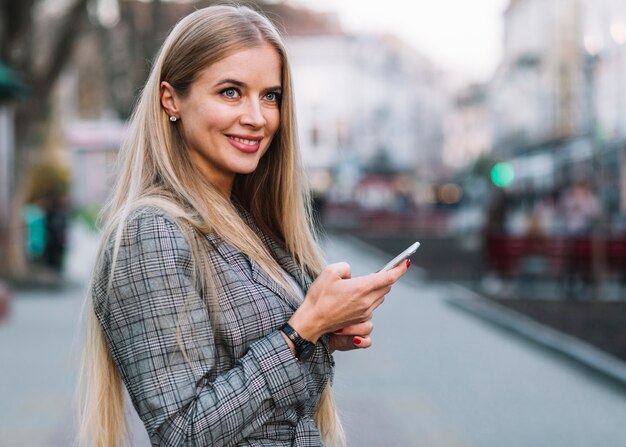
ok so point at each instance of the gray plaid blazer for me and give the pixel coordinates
(237, 386)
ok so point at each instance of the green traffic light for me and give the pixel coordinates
(502, 174)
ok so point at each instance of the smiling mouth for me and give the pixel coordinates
(245, 140)
(247, 145)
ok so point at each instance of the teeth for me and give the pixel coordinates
(244, 141)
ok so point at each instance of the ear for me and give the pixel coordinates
(168, 99)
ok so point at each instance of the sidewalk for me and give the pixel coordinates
(586, 355)
(39, 344)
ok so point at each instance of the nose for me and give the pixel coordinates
(252, 114)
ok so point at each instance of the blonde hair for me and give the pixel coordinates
(156, 171)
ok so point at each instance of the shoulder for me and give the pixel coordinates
(147, 223)
(148, 232)
(146, 255)
(151, 217)
(148, 243)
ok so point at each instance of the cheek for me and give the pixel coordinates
(273, 121)
(219, 118)
(214, 116)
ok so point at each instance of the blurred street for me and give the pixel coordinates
(434, 377)
(39, 354)
(437, 377)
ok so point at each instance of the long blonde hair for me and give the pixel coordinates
(155, 170)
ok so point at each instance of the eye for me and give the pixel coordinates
(272, 96)
(230, 93)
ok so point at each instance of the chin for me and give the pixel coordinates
(243, 170)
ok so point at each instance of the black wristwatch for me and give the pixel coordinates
(304, 348)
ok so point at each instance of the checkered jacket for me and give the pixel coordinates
(239, 385)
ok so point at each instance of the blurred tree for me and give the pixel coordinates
(47, 179)
(130, 43)
(36, 40)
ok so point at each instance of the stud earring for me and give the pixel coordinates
(173, 119)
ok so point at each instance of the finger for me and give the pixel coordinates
(396, 272)
(363, 328)
(349, 342)
(341, 270)
(361, 342)
(341, 342)
(389, 277)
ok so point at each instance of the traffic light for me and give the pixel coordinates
(502, 174)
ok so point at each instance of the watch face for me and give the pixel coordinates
(307, 351)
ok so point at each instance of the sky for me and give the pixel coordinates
(463, 37)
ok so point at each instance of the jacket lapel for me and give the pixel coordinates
(250, 268)
(284, 259)
(287, 262)
(261, 277)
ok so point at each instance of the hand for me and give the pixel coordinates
(335, 300)
(356, 336)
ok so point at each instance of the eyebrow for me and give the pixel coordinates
(231, 81)
(243, 84)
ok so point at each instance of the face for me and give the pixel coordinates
(230, 114)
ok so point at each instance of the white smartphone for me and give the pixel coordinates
(401, 257)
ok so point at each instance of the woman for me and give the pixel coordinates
(204, 306)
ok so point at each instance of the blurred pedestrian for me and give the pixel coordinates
(549, 219)
(34, 217)
(581, 209)
(494, 239)
(204, 304)
(56, 233)
(533, 262)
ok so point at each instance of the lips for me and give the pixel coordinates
(245, 143)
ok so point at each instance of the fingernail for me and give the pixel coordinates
(338, 331)
(356, 340)
(408, 263)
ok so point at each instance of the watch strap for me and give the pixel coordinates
(299, 343)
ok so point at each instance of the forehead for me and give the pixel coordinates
(257, 65)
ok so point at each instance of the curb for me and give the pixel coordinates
(573, 348)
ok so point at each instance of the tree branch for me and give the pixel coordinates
(63, 47)
(16, 19)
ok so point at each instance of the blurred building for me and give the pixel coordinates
(604, 41)
(368, 94)
(366, 103)
(558, 98)
(538, 94)
(467, 126)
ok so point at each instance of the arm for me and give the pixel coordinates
(184, 400)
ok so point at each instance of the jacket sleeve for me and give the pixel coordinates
(177, 392)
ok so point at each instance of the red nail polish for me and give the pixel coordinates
(338, 331)
(356, 341)
(408, 263)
